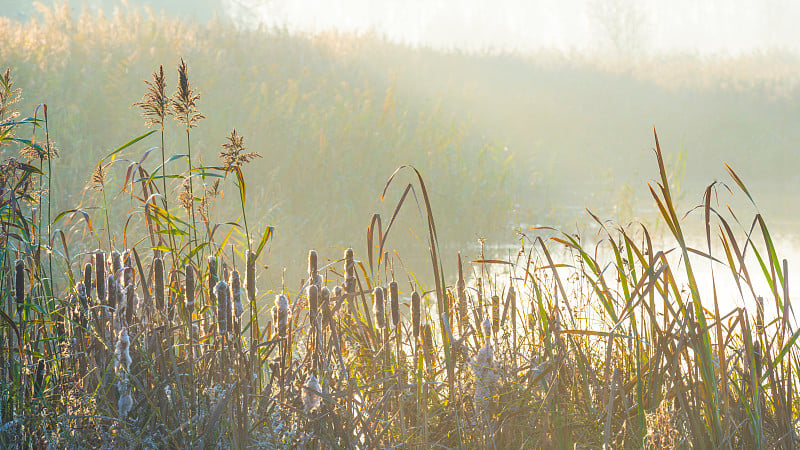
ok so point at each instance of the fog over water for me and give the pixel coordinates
(651, 26)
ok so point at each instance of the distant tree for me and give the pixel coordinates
(622, 22)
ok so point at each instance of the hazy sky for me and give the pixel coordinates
(720, 26)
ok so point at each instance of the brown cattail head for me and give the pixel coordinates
(312, 264)
(158, 281)
(116, 263)
(128, 276)
(236, 293)
(415, 313)
(349, 271)
(427, 345)
(81, 288)
(313, 303)
(87, 279)
(325, 306)
(394, 299)
(511, 301)
(190, 295)
(100, 272)
(282, 308)
(111, 292)
(212, 279)
(223, 306)
(378, 307)
(130, 309)
(495, 313)
(19, 283)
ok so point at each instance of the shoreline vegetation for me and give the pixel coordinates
(150, 313)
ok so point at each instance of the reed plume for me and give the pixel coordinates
(185, 102)
(233, 152)
(8, 96)
(155, 103)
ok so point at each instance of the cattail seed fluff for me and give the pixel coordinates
(313, 302)
(236, 293)
(378, 306)
(111, 292)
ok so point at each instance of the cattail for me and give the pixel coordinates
(87, 279)
(122, 350)
(415, 313)
(81, 288)
(311, 400)
(282, 313)
(394, 297)
(19, 284)
(189, 292)
(461, 295)
(212, 279)
(495, 313)
(485, 375)
(349, 271)
(125, 403)
(158, 281)
(325, 306)
(511, 303)
(313, 303)
(111, 292)
(131, 300)
(39, 378)
(378, 307)
(223, 306)
(100, 272)
(427, 345)
(487, 329)
(236, 295)
(128, 275)
(116, 263)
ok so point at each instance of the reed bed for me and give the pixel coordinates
(156, 339)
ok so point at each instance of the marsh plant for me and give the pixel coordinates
(157, 334)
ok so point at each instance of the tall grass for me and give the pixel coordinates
(565, 343)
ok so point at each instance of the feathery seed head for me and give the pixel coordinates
(185, 101)
(233, 152)
(155, 102)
